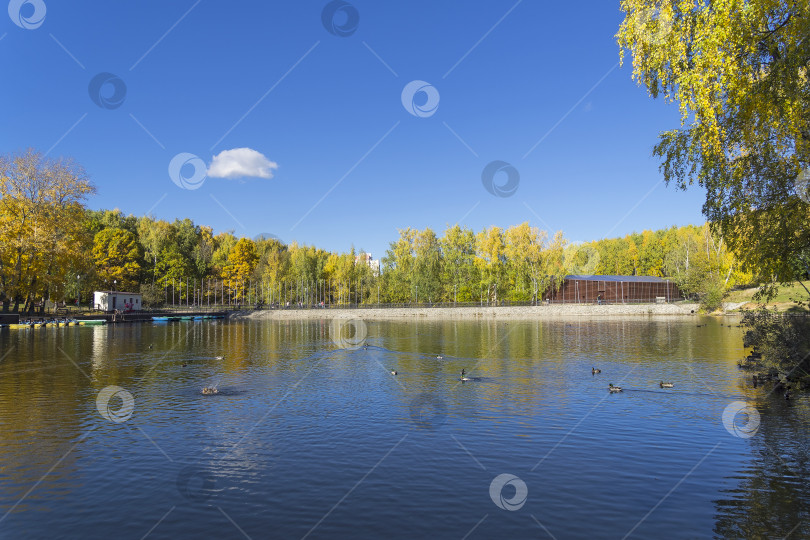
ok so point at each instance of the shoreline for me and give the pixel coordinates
(478, 312)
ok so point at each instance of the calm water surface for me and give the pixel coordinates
(308, 440)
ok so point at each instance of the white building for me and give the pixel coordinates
(366, 258)
(116, 300)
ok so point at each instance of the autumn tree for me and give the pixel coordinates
(42, 226)
(273, 265)
(489, 260)
(242, 261)
(117, 256)
(523, 250)
(738, 70)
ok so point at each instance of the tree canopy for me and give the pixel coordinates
(42, 220)
(738, 70)
(46, 233)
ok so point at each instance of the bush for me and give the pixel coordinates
(712, 299)
(153, 295)
(783, 340)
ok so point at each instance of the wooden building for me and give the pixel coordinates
(613, 290)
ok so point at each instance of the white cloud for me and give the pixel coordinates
(241, 162)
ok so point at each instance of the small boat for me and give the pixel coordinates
(20, 326)
(93, 322)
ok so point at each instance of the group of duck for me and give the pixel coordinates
(779, 384)
(463, 377)
(209, 390)
(616, 389)
(753, 361)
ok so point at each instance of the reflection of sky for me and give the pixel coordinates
(297, 423)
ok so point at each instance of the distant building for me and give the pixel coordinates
(374, 264)
(117, 300)
(613, 290)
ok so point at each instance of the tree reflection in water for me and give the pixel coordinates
(773, 496)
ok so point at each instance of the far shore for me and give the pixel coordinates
(479, 312)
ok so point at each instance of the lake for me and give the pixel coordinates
(104, 432)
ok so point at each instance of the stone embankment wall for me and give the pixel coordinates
(521, 312)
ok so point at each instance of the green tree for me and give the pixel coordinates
(458, 252)
(111, 219)
(173, 267)
(154, 235)
(427, 268)
(398, 265)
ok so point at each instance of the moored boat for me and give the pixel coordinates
(93, 322)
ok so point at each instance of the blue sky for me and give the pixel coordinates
(516, 82)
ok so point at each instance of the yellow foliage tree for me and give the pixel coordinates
(117, 256)
(739, 71)
(242, 260)
(42, 221)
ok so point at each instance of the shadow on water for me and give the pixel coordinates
(680, 393)
(772, 496)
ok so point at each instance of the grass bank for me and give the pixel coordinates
(783, 301)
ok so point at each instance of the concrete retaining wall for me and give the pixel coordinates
(522, 312)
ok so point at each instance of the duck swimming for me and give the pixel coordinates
(439, 357)
(613, 389)
(663, 384)
(209, 390)
(394, 373)
(594, 371)
(219, 358)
